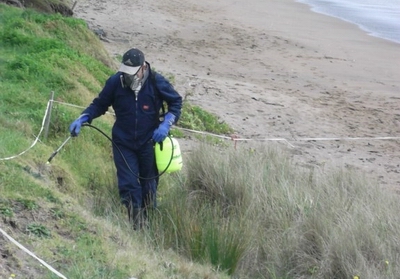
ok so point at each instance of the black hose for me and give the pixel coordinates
(123, 157)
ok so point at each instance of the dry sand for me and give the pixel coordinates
(272, 69)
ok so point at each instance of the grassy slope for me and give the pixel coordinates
(247, 211)
(49, 209)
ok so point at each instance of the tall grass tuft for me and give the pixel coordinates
(200, 231)
(255, 214)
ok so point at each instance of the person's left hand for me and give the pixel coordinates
(161, 132)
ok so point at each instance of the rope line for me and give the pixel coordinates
(32, 254)
(288, 141)
(68, 104)
(233, 137)
(36, 139)
(76, 106)
(263, 139)
(356, 138)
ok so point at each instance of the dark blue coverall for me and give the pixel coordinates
(137, 116)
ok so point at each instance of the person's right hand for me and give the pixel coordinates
(75, 126)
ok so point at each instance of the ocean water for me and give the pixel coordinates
(379, 18)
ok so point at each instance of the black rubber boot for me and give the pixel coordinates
(137, 218)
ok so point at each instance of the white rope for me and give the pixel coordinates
(36, 139)
(346, 139)
(233, 138)
(265, 139)
(41, 129)
(32, 255)
(67, 104)
(204, 133)
(76, 106)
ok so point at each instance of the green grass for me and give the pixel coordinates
(230, 213)
(250, 212)
(68, 211)
(196, 118)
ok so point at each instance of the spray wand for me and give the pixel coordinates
(88, 125)
(58, 149)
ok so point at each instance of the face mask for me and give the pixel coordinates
(133, 81)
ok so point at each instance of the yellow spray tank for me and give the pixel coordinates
(168, 155)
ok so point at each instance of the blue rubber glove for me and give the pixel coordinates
(162, 131)
(75, 126)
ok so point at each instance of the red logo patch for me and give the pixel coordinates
(145, 107)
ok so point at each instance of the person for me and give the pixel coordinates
(136, 94)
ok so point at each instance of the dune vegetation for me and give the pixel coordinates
(244, 212)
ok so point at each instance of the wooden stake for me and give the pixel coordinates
(73, 6)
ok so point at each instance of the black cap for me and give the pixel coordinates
(132, 60)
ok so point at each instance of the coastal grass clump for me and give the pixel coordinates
(196, 118)
(251, 212)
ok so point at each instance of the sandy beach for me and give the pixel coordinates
(272, 69)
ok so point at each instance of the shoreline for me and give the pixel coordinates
(272, 69)
(368, 25)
